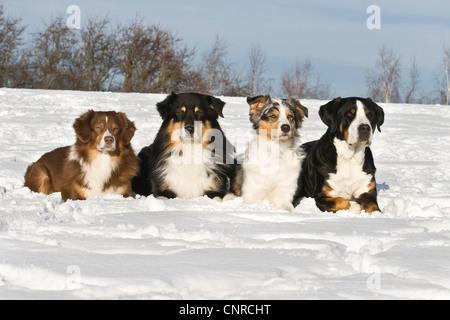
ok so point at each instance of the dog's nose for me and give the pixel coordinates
(285, 128)
(364, 132)
(190, 129)
(364, 128)
(109, 140)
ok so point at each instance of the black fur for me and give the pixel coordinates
(321, 159)
(154, 158)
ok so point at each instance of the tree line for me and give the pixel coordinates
(146, 58)
(135, 57)
(384, 81)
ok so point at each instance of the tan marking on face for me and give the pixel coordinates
(291, 117)
(266, 126)
(206, 139)
(346, 133)
(173, 130)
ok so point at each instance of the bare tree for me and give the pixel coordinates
(215, 67)
(55, 51)
(446, 62)
(233, 85)
(384, 86)
(299, 82)
(414, 75)
(257, 59)
(195, 80)
(320, 90)
(152, 59)
(98, 54)
(11, 60)
(294, 82)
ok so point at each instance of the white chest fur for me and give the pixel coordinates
(97, 174)
(271, 173)
(186, 173)
(349, 181)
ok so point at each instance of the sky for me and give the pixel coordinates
(332, 34)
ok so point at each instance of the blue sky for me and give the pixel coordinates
(332, 34)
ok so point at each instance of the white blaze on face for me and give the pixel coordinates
(282, 120)
(107, 142)
(360, 119)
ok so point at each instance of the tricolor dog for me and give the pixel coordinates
(100, 162)
(272, 163)
(339, 170)
(190, 156)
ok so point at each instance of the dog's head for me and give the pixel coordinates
(281, 118)
(352, 119)
(104, 131)
(182, 112)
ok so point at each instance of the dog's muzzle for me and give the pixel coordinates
(107, 144)
(364, 133)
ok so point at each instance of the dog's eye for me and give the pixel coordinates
(290, 118)
(97, 128)
(273, 117)
(199, 114)
(350, 114)
(369, 115)
(179, 113)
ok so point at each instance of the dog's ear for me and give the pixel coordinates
(128, 128)
(257, 103)
(298, 106)
(217, 105)
(379, 113)
(328, 114)
(82, 126)
(165, 106)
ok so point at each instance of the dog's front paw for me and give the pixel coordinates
(229, 197)
(355, 208)
(288, 206)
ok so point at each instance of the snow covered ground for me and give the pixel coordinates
(116, 248)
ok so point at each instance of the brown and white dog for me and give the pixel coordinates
(100, 162)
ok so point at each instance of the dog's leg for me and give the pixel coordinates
(332, 204)
(165, 194)
(141, 184)
(215, 195)
(38, 179)
(369, 203)
(229, 197)
(286, 205)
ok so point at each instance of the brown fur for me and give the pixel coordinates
(65, 169)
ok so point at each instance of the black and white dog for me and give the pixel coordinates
(339, 170)
(190, 156)
(272, 163)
